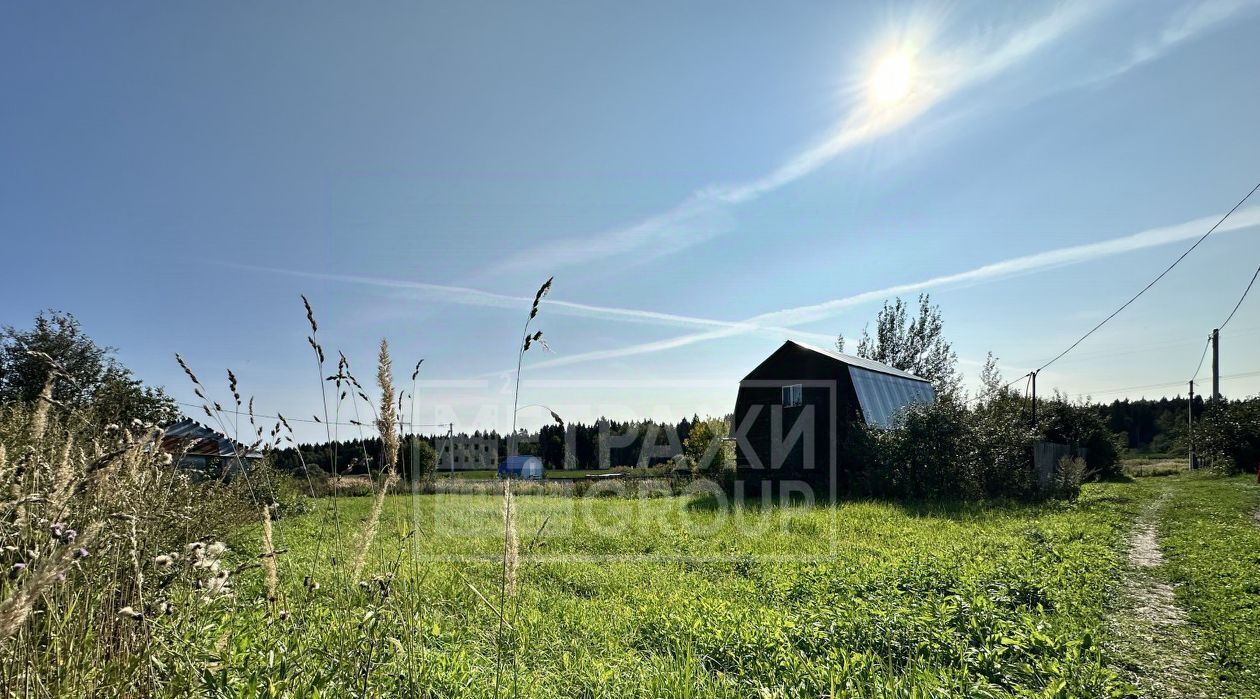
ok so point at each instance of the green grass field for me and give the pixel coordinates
(675, 596)
(552, 474)
(668, 597)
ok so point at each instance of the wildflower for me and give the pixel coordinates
(55, 529)
(81, 553)
(163, 561)
(17, 569)
(196, 550)
(61, 577)
(216, 549)
(131, 613)
(111, 427)
(69, 535)
(218, 585)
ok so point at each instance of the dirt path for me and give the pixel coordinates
(1155, 645)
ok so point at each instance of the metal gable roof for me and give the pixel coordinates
(882, 396)
(882, 391)
(194, 438)
(867, 364)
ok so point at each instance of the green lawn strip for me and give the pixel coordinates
(1212, 548)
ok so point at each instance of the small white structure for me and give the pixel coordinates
(523, 467)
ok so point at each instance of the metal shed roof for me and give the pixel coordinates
(881, 390)
(868, 364)
(193, 438)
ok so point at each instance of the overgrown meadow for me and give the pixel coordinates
(126, 575)
(614, 596)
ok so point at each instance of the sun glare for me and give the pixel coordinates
(892, 79)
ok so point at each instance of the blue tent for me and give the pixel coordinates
(525, 467)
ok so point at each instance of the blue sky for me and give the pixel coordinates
(702, 179)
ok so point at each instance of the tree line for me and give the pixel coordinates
(604, 443)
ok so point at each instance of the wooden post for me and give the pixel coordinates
(1216, 365)
(1190, 420)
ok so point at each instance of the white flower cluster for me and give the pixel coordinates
(212, 578)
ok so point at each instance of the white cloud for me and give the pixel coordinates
(1187, 24)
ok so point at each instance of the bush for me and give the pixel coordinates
(1081, 427)
(705, 449)
(1228, 436)
(1068, 478)
(925, 456)
(949, 450)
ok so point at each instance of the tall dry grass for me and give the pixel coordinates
(86, 513)
(387, 425)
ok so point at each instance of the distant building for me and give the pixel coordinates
(474, 453)
(200, 448)
(795, 412)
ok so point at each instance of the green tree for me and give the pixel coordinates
(1228, 435)
(91, 380)
(916, 345)
(705, 448)
(418, 459)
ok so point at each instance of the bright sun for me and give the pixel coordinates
(891, 81)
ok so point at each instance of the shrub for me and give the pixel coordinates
(1081, 427)
(924, 456)
(706, 451)
(949, 450)
(1068, 478)
(1228, 435)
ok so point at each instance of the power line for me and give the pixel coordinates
(1203, 356)
(1222, 325)
(1160, 385)
(1153, 281)
(1240, 300)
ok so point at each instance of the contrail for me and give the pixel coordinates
(1154, 237)
(478, 297)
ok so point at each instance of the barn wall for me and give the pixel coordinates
(827, 391)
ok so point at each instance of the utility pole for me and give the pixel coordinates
(1216, 365)
(1190, 419)
(450, 447)
(1034, 399)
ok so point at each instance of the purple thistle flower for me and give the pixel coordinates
(81, 553)
(69, 535)
(17, 569)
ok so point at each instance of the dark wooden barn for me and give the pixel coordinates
(796, 410)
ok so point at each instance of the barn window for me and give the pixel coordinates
(792, 395)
